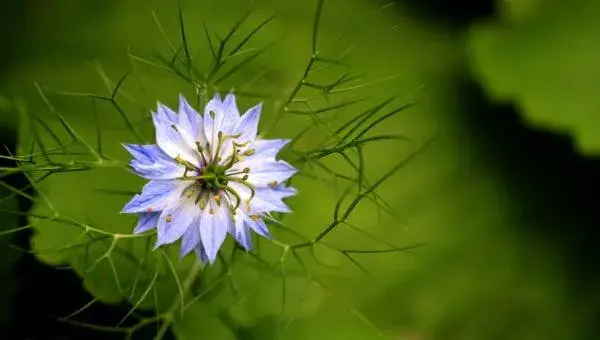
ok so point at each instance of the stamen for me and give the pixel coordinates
(202, 200)
(201, 152)
(169, 218)
(273, 184)
(244, 183)
(255, 218)
(238, 199)
(249, 152)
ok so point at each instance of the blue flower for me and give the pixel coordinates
(209, 175)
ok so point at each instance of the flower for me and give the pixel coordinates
(209, 175)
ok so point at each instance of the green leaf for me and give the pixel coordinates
(542, 56)
(201, 319)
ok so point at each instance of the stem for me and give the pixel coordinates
(187, 285)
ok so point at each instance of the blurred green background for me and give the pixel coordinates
(505, 201)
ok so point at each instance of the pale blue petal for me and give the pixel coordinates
(190, 123)
(152, 163)
(259, 227)
(241, 232)
(172, 142)
(175, 220)
(154, 197)
(215, 106)
(269, 148)
(247, 125)
(269, 200)
(201, 253)
(228, 118)
(265, 199)
(166, 113)
(213, 230)
(146, 221)
(264, 171)
(190, 239)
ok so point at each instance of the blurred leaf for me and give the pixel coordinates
(200, 320)
(9, 219)
(544, 57)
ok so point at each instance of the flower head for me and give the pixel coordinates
(209, 175)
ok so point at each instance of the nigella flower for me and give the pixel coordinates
(209, 175)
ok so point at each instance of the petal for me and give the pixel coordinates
(259, 227)
(211, 110)
(170, 140)
(155, 196)
(152, 162)
(229, 116)
(213, 230)
(264, 199)
(241, 231)
(201, 253)
(269, 148)
(166, 113)
(190, 123)
(265, 171)
(146, 222)
(190, 239)
(248, 124)
(175, 220)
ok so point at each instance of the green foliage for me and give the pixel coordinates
(543, 56)
(70, 149)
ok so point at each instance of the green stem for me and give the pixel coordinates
(186, 287)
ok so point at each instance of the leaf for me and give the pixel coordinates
(9, 217)
(542, 57)
(200, 319)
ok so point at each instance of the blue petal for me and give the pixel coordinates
(175, 220)
(190, 239)
(227, 120)
(265, 199)
(213, 230)
(166, 113)
(215, 106)
(154, 197)
(240, 231)
(259, 227)
(146, 222)
(170, 140)
(201, 253)
(248, 124)
(152, 163)
(264, 171)
(190, 122)
(269, 148)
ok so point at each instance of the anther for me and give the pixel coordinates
(249, 152)
(255, 217)
(245, 177)
(169, 218)
(246, 170)
(273, 184)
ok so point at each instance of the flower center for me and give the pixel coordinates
(215, 177)
(212, 180)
